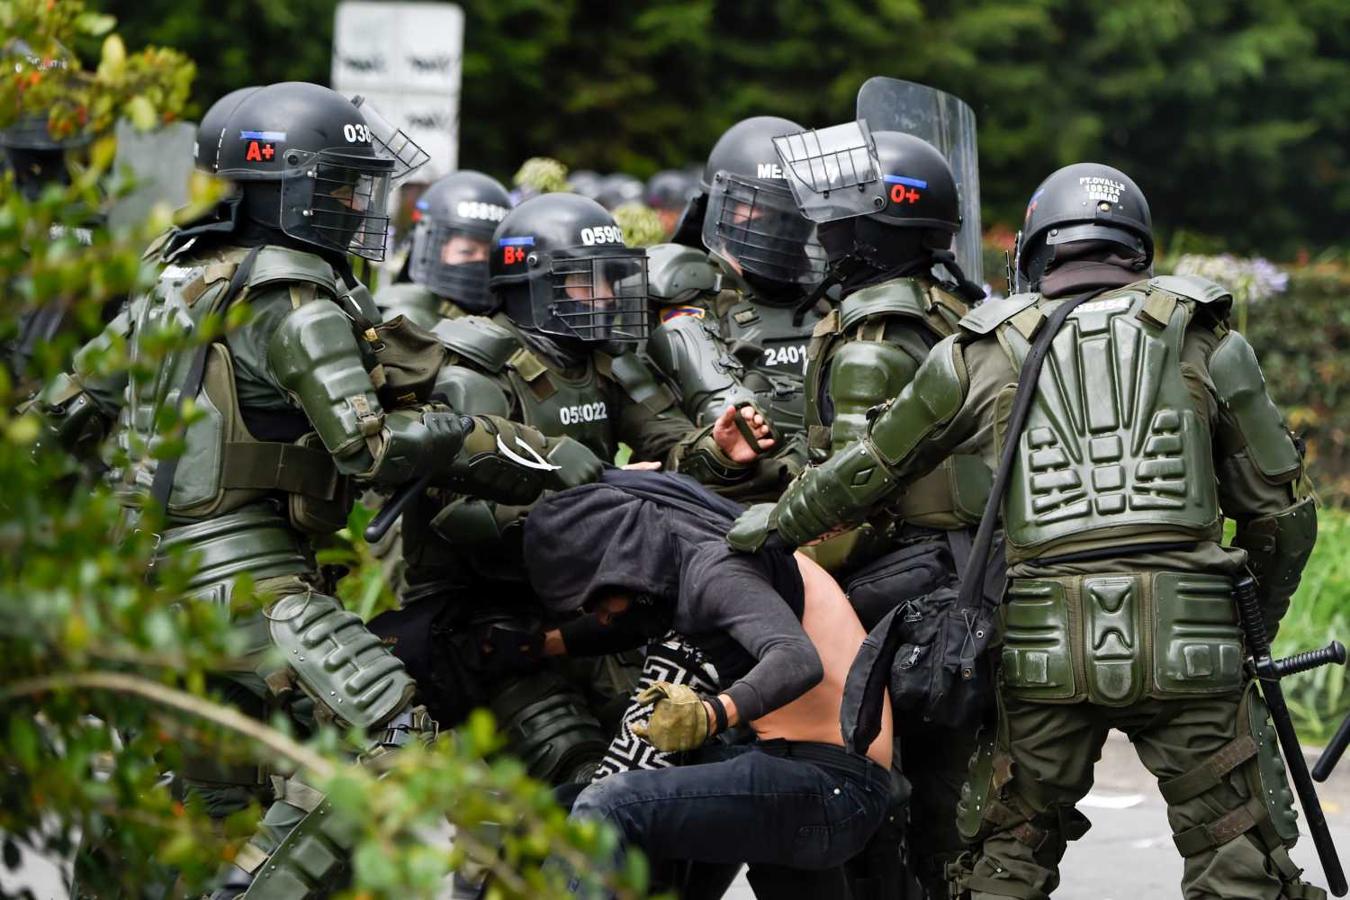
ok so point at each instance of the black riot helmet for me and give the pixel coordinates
(617, 189)
(211, 131)
(752, 222)
(33, 153)
(1083, 202)
(559, 266)
(671, 190)
(455, 219)
(919, 209)
(308, 166)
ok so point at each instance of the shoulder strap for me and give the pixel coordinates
(162, 484)
(972, 578)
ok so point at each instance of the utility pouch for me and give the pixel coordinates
(409, 358)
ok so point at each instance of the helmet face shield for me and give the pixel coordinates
(337, 201)
(592, 296)
(452, 261)
(833, 172)
(392, 142)
(757, 228)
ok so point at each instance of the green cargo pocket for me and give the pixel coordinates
(1037, 658)
(1197, 643)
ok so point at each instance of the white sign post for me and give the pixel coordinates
(404, 58)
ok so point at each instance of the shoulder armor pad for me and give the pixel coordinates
(406, 293)
(637, 381)
(282, 264)
(471, 393)
(1241, 388)
(676, 273)
(406, 298)
(479, 340)
(898, 297)
(1193, 287)
(992, 313)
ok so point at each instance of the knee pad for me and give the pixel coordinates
(1252, 760)
(350, 675)
(547, 725)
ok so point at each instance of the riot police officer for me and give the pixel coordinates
(1149, 424)
(558, 356)
(733, 323)
(298, 404)
(448, 262)
(884, 237)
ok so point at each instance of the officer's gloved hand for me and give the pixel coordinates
(577, 464)
(447, 431)
(751, 532)
(509, 649)
(679, 720)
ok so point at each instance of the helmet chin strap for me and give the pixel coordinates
(968, 289)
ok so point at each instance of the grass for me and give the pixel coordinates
(1318, 614)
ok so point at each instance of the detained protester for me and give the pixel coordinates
(781, 635)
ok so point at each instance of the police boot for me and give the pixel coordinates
(301, 849)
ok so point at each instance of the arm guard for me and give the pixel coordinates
(863, 375)
(1240, 389)
(79, 407)
(315, 358)
(1278, 548)
(705, 375)
(868, 472)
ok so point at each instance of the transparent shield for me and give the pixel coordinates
(338, 202)
(833, 172)
(757, 228)
(392, 142)
(452, 262)
(595, 297)
(948, 123)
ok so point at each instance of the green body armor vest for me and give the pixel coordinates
(869, 347)
(1114, 451)
(1114, 455)
(225, 471)
(773, 350)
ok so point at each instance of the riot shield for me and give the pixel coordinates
(948, 123)
(833, 172)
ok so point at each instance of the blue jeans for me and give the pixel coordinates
(809, 806)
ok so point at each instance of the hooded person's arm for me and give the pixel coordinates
(730, 593)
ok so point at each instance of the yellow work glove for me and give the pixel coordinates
(679, 721)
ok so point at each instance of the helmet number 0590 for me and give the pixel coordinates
(356, 133)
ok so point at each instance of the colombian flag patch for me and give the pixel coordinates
(674, 312)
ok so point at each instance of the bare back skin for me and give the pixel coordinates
(834, 629)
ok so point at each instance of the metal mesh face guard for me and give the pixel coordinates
(337, 201)
(833, 172)
(593, 297)
(439, 262)
(757, 228)
(392, 142)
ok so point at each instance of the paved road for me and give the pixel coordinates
(1127, 855)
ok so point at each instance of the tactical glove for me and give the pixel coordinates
(576, 463)
(751, 531)
(679, 721)
(446, 431)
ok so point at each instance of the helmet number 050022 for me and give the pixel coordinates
(356, 133)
